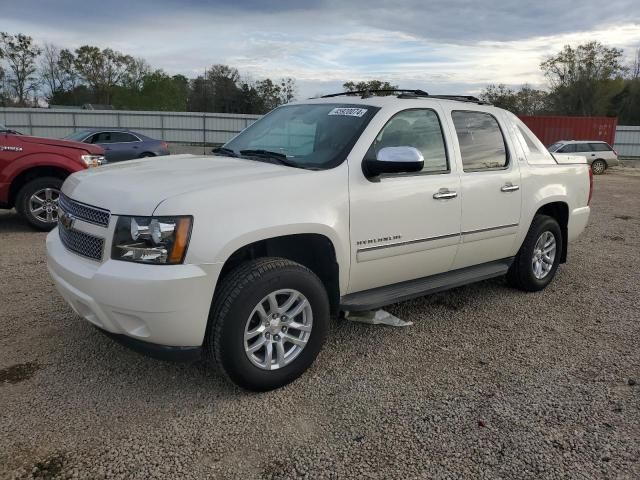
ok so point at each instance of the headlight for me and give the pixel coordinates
(156, 240)
(92, 160)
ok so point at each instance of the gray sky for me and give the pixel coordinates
(452, 46)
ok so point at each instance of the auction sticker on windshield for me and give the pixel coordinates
(348, 112)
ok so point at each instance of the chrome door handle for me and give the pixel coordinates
(509, 188)
(444, 194)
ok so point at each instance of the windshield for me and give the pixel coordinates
(313, 136)
(78, 136)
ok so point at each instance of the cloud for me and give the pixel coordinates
(452, 46)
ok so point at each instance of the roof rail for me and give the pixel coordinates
(369, 93)
(403, 93)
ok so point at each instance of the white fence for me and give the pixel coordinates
(183, 127)
(627, 142)
(174, 127)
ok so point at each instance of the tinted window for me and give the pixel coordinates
(419, 128)
(102, 137)
(554, 147)
(583, 147)
(600, 147)
(482, 145)
(123, 137)
(569, 148)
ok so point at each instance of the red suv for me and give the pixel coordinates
(32, 170)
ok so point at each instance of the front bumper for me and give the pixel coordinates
(165, 305)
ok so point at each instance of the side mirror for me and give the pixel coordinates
(394, 160)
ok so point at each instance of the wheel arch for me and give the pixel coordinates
(315, 251)
(558, 210)
(31, 173)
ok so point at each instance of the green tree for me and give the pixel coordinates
(584, 79)
(369, 85)
(102, 70)
(526, 101)
(20, 53)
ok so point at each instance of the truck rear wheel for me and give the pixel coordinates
(537, 260)
(268, 323)
(37, 202)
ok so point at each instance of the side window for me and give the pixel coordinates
(583, 147)
(482, 145)
(122, 137)
(418, 128)
(568, 148)
(600, 147)
(102, 137)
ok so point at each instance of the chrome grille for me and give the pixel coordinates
(81, 243)
(88, 213)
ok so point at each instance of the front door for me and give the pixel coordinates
(490, 188)
(404, 226)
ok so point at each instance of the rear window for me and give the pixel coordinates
(600, 147)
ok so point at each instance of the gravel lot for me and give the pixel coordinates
(488, 383)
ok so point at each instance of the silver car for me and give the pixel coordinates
(600, 155)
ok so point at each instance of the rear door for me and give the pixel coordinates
(490, 186)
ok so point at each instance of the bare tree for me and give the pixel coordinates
(634, 72)
(20, 53)
(52, 74)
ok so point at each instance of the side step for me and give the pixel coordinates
(399, 292)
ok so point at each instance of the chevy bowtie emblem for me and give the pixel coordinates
(66, 220)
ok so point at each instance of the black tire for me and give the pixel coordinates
(24, 197)
(521, 274)
(241, 291)
(598, 167)
(146, 155)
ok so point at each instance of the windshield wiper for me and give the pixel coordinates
(224, 151)
(281, 158)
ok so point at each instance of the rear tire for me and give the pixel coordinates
(252, 340)
(537, 260)
(598, 167)
(146, 155)
(37, 202)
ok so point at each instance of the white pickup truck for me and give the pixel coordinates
(341, 203)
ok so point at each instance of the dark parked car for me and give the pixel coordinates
(121, 144)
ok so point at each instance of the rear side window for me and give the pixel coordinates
(600, 147)
(122, 137)
(482, 144)
(583, 147)
(418, 128)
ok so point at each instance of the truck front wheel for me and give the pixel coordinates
(268, 323)
(37, 202)
(537, 260)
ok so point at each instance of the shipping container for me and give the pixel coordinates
(550, 129)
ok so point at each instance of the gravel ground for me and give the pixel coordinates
(488, 383)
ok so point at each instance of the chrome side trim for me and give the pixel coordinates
(471, 232)
(431, 239)
(408, 242)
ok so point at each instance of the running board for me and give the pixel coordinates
(399, 292)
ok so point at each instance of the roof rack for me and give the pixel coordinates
(369, 93)
(403, 93)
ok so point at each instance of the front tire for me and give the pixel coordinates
(37, 202)
(268, 323)
(537, 260)
(598, 167)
